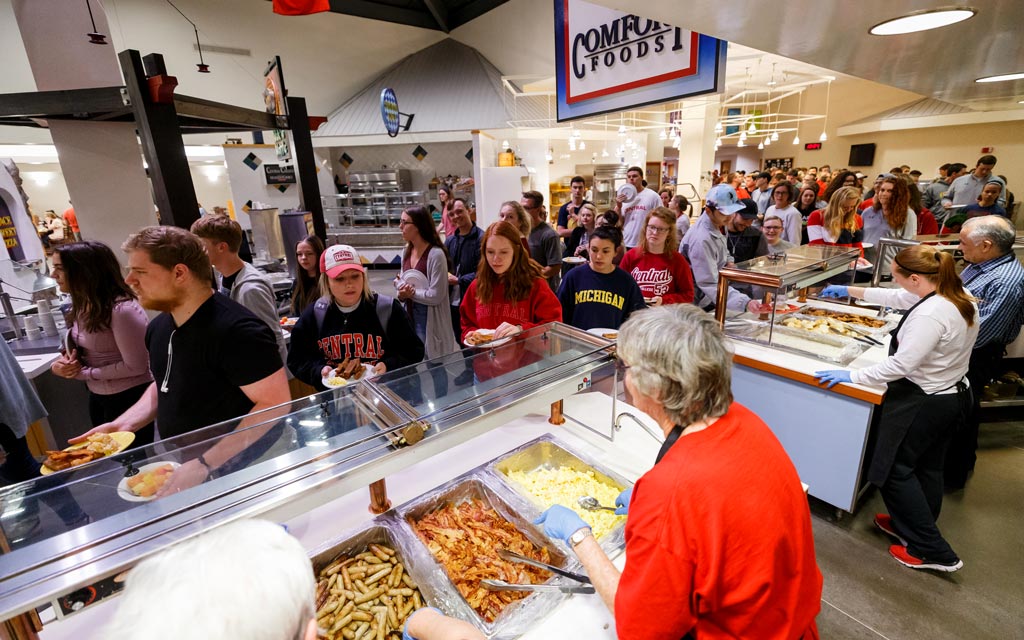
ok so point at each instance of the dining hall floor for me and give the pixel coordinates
(869, 596)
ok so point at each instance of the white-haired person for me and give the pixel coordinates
(718, 535)
(247, 579)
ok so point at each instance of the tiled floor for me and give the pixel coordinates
(869, 596)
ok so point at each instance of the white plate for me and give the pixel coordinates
(491, 344)
(574, 260)
(413, 277)
(125, 493)
(627, 190)
(341, 382)
(601, 331)
(867, 245)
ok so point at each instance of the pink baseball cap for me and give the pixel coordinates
(339, 258)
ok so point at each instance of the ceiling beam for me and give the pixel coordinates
(472, 11)
(384, 13)
(69, 102)
(440, 13)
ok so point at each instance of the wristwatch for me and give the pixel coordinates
(579, 536)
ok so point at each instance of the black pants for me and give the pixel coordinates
(457, 324)
(20, 466)
(962, 451)
(105, 408)
(913, 490)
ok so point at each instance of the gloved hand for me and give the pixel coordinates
(622, 502)
(834, 291)
(560, 522)
(832, 377)
(405, 629)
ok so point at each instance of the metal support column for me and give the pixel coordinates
(305, 164)
(162, 145)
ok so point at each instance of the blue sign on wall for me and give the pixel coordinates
(607, 60)
(389, 111)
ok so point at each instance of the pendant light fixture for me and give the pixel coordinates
(799, 111)
(95, 37)
(828, 99)
(202, 66)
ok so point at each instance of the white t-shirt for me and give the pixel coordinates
(634, 214)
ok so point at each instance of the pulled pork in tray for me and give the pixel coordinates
(852, 318)
(465, 538)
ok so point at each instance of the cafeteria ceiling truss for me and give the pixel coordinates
(440, 15)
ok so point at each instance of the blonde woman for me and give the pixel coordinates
(513, 213)
(838, 224)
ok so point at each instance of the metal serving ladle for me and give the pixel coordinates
(590, 503)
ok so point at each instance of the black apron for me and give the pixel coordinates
(903, 401)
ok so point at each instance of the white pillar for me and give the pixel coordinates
(101, 161)
(697, 147)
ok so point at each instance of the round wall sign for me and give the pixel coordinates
(389, 111)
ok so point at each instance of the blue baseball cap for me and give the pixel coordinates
(723, 198)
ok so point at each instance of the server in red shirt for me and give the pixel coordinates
(662, 272)
(718, 538)
(509, 293)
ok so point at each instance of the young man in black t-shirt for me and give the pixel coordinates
(212, 359)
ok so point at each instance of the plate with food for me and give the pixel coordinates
(574, 260)
(142, 487)
(484, 339)
(607, 334)
(95, 447)
(288, 323)
(864, 264)
(349, 370)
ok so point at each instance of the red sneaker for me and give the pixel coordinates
(884, 523)
(903, 557)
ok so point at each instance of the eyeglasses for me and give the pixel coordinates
(621, 367)
(403, 223)
(772, 228)
(658, 230)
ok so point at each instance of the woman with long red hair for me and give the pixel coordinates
(509, 293)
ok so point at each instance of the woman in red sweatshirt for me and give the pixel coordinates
(661, 271)
(509, 294)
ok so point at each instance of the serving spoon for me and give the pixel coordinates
(590, 503)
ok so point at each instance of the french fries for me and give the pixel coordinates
(367, 596)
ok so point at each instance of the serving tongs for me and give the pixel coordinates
(501, 585)
(864, 336)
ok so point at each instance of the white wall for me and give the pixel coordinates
(250, 184)
(743, 159)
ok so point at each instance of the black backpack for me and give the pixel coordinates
(383, 305)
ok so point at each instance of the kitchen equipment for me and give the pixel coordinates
(266, 234)
(295, 227)
(515, 557)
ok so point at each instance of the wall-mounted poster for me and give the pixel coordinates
(731, 113)
(784, 164)
(607, 60)
(274, 95)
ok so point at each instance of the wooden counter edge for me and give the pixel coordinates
(782, 372)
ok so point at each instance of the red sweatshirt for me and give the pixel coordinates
(541, 307)
(660, 274)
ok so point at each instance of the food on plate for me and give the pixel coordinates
(368, 595)
(349, 369)
(288, 323)
(564, 486)
(102, 443)
(852, 318)
(465, 538)
(479, 337)
(147, 483)
(610, 335)
(60, 460)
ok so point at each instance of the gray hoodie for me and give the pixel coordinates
(19, 404)
(252, 290)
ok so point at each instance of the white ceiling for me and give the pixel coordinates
(833, 34)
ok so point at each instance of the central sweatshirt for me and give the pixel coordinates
(541, 307)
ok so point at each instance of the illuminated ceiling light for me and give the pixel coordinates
(718, 142)
(743, 135)
(760, 145)
(622, 129)
(583, 146)
(662, 135)
(796, 139)
(504, 144)
(828, 98)
(718, 127)
(1020, 102)
(822, 137)
(775, 136)
(751, 128)
(922, 21)
(549, 156)
(1002, 78)
(741, 144)
(604, 152)
(767, 141)
(771, 83)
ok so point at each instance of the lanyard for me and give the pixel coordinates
(673, 435)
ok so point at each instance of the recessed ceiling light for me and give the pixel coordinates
(922, 21)
(1002, 78)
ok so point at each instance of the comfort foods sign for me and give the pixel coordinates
(609, 61)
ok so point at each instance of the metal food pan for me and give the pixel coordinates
(873, 331)
(832, 348)
(547, 452)
(518, 617)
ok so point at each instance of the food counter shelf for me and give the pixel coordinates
(295, 457)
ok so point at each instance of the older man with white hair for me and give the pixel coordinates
(718, 536)
(996, 278)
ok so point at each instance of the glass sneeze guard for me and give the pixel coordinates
(292, 458)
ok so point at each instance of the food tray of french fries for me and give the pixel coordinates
(546, 471)
(366, 588)
(460, 526)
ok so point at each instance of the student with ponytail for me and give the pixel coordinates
(925, 399)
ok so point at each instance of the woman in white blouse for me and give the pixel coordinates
(792, 221)
(925, 398)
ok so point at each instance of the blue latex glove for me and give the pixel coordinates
(832, 377)
(560, 522)
(405, 629)
(835, 291)
(622, 502)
